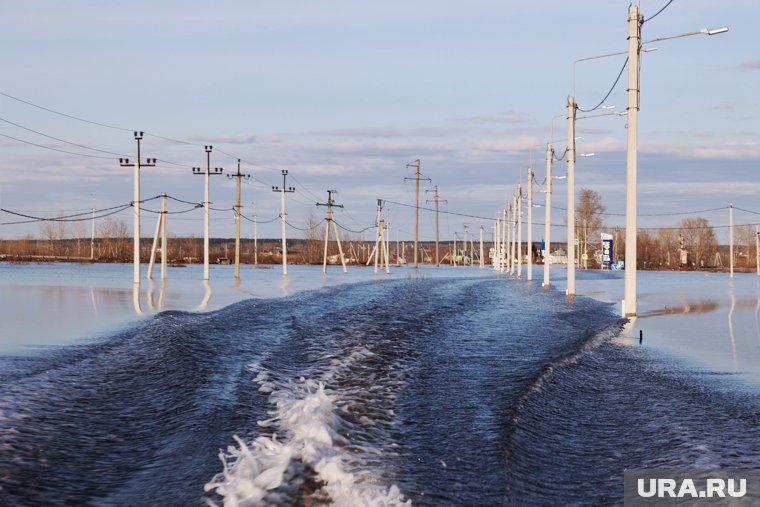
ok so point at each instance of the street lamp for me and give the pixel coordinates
(629, 304)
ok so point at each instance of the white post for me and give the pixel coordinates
(237, 222)
(255, 242)
(504, 241)
(512, 212)
(284, 238)
(634, 37)
(530, 224)
(494, 260)
(92, 238)
(570, 196)
(340, 248)
(378, 233)
(497, 244)
(327, 239)
(164, 245)
(386, 248)
(153, 248)
(519, 231)
(482, 261)
(548, 212)
(731, 237)
(206, 205)
(136, 206)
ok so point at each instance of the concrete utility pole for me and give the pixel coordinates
(530, 225)
(92, 237)
(417, 177)
(464, 245)
(282, 191)
(255, 240)
(495, 260)
(634, 73)
(482, 261)
(634, 46)
(198, 171)
(570, 196)
(124, 162)
(436, 199)
(511, 236)
(519, 231)
(548, 213)
(504, 240)
(378, 234)
(239, 176)
(160, 229)
(330, 204)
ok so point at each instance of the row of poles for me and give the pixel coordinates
(161, 224)
(635, 47)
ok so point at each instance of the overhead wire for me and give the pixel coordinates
(612, 88)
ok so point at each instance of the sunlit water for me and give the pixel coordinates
(432, 387)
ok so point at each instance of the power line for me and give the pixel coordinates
(650, 18)
(625, 64)
(64, 114)
(445, 212)
(57, 149)
(61, 140)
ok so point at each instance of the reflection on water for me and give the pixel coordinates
(731, 321)
(206, 296)
(695, 307)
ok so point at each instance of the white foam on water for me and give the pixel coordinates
(305, 432)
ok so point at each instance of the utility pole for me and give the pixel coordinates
(255, 240)
(330, 204)
(160, 229)
(92, 237)
(548, 215)
(495, 260)
(504, 242)
(482, 265)
(570, 196)
(464, 245)
(417, 178)
(239, 176)
(436, 199)
(519, 231)
(282, 191)
(530, 224)
(511, 237)
(378, 233)
(198, 171)
(124, 162)
(634, 46)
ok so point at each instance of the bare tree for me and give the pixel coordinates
(53, 231)
(699, 240)
(313, 239)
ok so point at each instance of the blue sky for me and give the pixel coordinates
(344, 94)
